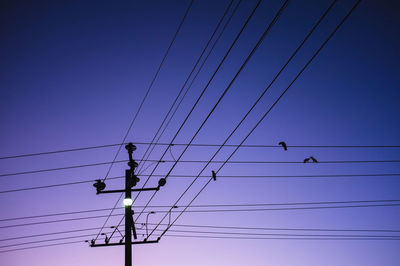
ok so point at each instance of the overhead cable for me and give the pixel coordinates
(204, 176)
(272, 106)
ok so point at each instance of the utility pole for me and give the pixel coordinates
(130, 181)
(129, 174)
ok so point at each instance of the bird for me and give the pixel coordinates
(283, 144)
(313, 159)
(214, 175)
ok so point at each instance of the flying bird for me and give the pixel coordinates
(283, 144)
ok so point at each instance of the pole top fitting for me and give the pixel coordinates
(130, 147)
(133, 164)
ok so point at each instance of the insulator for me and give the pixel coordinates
(133, 164)
(130, 147)
(162, 182)
(99, 185)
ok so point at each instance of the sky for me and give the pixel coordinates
(74, 74)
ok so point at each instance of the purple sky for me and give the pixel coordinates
(73, 74)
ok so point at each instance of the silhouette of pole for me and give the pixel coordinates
(130, 181)
(129, 174)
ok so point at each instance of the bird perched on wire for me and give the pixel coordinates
(306, 160)
(214, 175)
(283, 144)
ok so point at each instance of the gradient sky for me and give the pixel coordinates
(73, 74)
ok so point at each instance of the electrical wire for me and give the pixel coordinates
(212, 211)
(45, 240)
(280, 238)
(201, 95)
(188, 88)
(194, 79)
(196, 145)
(151, 85)
(282, 234)
(51, 233)
(221, 237)
(272, 106)
(204, 176)
(57, 221)
(42, 246)
(247, 228)
(141, 104)
(284, 229)
(256, 46)
(201, 161)
(394, 238)
(207, 206)
(255, 103)
(207, 85)
(224, 233)
(152, 142)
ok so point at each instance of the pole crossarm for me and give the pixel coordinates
(122, 244)
(132, 190)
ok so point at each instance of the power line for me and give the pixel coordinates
(54, 214)
(212, 211)
(195, 77)
(45, 240)
(221, 227)
(221, 237)
(197, 145)
(204, 90)
(190, 85)
(42, 246)
(56, 221)
(284, 229)
(59, 151)
(245, 62)
(207, 206)
(219, 176)
(61, 168)
(58, 185)
(226, 233)
(276, 101)
(141, 104)
(218, 237)
(282, 234)
(188, 78)
(151, 85)
(280, 238)
(51, 233)
(201, 161)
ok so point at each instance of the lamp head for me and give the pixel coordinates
(127, 202)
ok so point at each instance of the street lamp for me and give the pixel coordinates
(127, 202)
